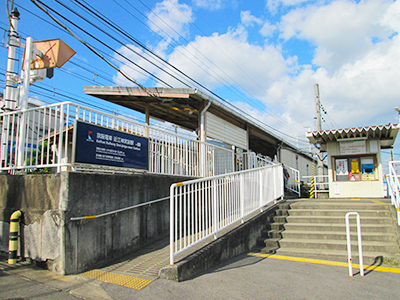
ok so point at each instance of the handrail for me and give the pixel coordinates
(360, 253)
(201, 208)
(118, 210)
(323, 181)
(293, 183)
(394, 188)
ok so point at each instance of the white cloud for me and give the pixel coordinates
(357, 75)
(392, 17)
(128, 68)
(237, 61)
(360, 93)
(248, 19)
(342, 31)
(273, 5)
(212, 4)
(170, 19)
(268, 29)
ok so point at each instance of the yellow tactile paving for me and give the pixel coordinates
(324, 262)
(119, 279)
(379, 202)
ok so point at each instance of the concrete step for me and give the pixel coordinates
(336, 213)
(282, 212)
(368, 246)
(349, 206)
(333, 220)
(378, 228)
(333, 235)
(369, 258)
(271, 243)
(277, 226)
(317, 229)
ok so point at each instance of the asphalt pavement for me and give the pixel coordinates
(250, 276)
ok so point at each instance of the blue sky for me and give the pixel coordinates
(262, 56)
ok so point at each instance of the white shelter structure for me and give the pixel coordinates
(354, 159)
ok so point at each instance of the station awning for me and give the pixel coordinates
(385, 133)
(183, 106)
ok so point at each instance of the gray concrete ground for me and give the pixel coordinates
(246, 277)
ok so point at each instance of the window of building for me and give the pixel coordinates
(355, 168)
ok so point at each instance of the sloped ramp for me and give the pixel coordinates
(136, 270)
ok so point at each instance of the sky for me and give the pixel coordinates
(262, 56)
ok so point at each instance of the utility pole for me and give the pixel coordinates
(320, 170)
(11, 87)
(9, 101)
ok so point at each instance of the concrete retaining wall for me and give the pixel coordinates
(49, 201)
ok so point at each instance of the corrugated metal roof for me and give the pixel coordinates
(385, 133)
(182, 106)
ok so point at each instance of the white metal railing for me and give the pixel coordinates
(250, 160)
(394, 186)
(202, 208)
(321, 183)
(43, 137)
(293, 182)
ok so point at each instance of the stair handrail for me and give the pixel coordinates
(360, 253)
(90, 217)
(394, 188)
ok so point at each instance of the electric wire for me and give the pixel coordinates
(216, 94)
(65, 31)
(88, 46)
(232, 88)
(123, 44)
(243, 112)
(246, 113)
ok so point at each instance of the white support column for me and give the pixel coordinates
(147, 119)
(203, 140)
(23, 103)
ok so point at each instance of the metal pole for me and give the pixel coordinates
(360, 253)
(171, 224)
(147, 110)
(203, 140)
(23, 104)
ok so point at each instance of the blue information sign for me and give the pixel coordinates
(104, 146)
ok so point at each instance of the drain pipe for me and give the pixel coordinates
(13, 237)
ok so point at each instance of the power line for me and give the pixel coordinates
(86, 44)
(248, 114)
(231, 88)
(146, 48)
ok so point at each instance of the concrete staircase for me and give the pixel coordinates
(317, 229)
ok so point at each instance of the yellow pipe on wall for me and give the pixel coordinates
(13, 237)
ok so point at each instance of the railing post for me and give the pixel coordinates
(61, 153)
(214, 210)
(171, 223)
(21, 139)
(242, 196)
(360, 253)
(261, 177)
